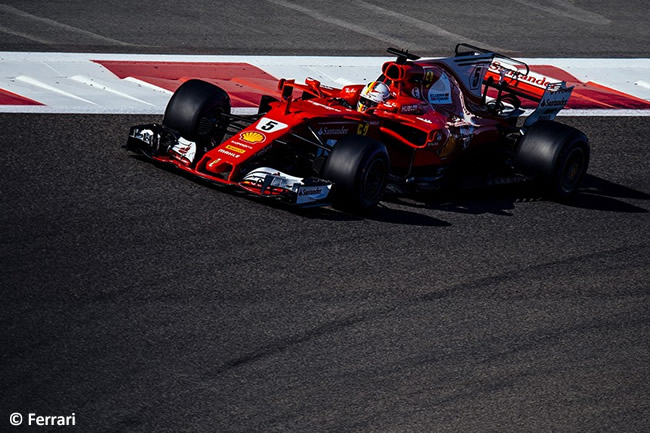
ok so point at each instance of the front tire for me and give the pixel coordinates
(555, 156)
(195, 112)
(359, 168)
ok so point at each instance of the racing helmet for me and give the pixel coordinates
(372, 95)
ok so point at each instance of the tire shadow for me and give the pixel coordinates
(595, 194)
(496, 200)
(601, 194)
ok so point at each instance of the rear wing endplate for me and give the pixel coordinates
(554, 99)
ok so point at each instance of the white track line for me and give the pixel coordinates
(566, 9)
(425, 26)
(23, 14)
(26, 36)
(327, 18)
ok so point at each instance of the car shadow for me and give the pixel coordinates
(494, 200)
(601, 194)
(384, 212)
(595, 194)
(387, 214)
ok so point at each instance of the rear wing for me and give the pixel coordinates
(507, 79)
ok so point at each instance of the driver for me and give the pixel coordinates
(372, 95)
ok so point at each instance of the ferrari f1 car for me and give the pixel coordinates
(416, 128)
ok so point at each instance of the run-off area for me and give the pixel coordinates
(142, 84)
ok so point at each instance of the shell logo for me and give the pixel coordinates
(253, 137)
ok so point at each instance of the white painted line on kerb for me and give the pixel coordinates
(92, 83)
(148, 85)
(36, 83)
(643, 84)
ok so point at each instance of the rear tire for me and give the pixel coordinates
(359, 168)
(555, 156)
(195, 109)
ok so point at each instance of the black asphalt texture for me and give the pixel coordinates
(143, 301)
(528, 28)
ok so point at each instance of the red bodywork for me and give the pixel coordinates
(436, 111)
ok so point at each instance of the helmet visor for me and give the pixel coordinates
(366, 104)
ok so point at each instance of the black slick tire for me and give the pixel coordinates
(195, 109)
(358, 166)
(554, 156)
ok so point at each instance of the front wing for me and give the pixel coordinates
(162, 145)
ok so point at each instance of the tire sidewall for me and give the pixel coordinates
(193, 101)
(358, 167)
(372, 178)
(543, 153)
(570, 168)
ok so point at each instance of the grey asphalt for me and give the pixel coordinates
(324, 27)
(143, 301)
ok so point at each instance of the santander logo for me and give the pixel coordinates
(333, 131)
(532, 78)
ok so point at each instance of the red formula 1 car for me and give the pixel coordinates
(418, 127)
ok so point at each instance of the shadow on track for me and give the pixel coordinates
(600, 194)
(382, 213)
(596, 194)
(494, 200)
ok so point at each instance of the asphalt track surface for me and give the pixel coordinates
(141, 300)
